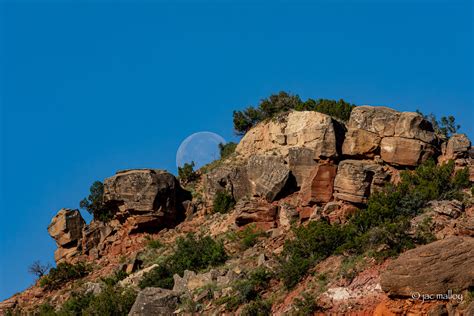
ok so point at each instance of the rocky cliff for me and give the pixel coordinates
(297, 168)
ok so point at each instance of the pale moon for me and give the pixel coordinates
(201, 147)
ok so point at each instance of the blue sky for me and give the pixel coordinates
(88, 88)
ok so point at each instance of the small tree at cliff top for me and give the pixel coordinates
(94, 203)
(39, 269)
(186, 173)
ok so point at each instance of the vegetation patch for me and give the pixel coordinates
(64, 272)
(283, 102)
(193, 253)
(95, 205)
(223, 202)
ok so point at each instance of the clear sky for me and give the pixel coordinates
(89, 88)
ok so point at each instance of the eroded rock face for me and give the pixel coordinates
(306, 129)
(267, 175)
(405, 152)
(435, 268)
(66, 229)
(457, 147)
(231, 178)
(318, 187)
(356, 179)
(257, 211)
(146, 197)
(401, 138)
(155, 301)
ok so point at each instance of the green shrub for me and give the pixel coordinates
(258, 307)
(186, 173)
(153, 243)
(284, 102)
(94, 203)
(227, 149)
(306, 305)
(249, 236)
(111, 301)
(223, 202)
(63, 273)
(191, 253)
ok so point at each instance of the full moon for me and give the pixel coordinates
(201, 147)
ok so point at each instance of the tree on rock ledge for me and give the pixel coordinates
(94, 203)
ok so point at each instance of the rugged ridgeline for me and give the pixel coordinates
(299, 168)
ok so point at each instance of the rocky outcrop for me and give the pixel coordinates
(155, 196)
(318, 185)
(257, 211)
(66, 229)
(356, 179)
(267, 175)
(435, 268)
(94, 236)
(456, 147)
(307, 129)
(155, 301)
(401, 138)
(229, 177)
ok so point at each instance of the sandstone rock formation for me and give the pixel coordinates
(435, 268)
(267, 175)
(66, 229)
(356, 179)
(256, 211)
(229, 177)
(318, 185)
(306, 129)
(401, 138)
(154, 195)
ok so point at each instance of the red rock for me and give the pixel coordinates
(318, 187)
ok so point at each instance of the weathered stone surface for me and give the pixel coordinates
(435, 268)
(255, 211)
(356, 179)
(452, 208)
(229, 177)
(155, 301)
(375, 119)
(403, 138)
(456, 147)
(267, 175)
(66, 227)
(307, 129)
(94, 234)
(287, 215)
(404, 151)
(300, 161)
(359, 142)
(318, 187)
(151, 192)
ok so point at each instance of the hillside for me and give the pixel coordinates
(310, 215)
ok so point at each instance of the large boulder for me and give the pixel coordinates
(229, 177)
(402, 138)
(66, 229)
(152, 193)
(435, 268)
(267, 175)
(318, 187)
(457, 147)
(155, 301)
(94, 236)
(356, 179)
(307, 129)
(405, 152)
